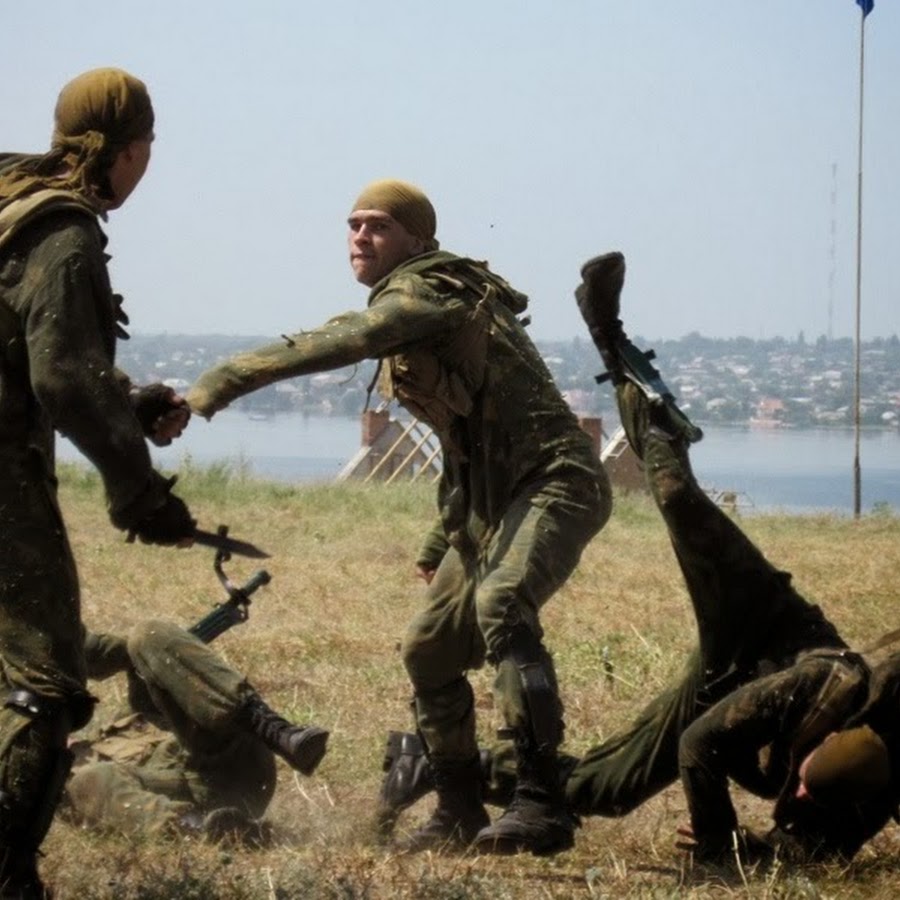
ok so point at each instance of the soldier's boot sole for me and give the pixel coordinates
(306, 749)
(602, 279)
(508, 839)
(446, 834)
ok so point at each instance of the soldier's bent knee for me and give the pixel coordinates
(148, 638)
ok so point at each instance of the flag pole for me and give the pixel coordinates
(857, 473)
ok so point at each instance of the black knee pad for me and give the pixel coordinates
(34, 783)
(537, 679)
(69, 714)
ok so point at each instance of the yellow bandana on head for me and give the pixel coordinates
(97, 114)
(850, 766)
(109, 102)
(405, 203)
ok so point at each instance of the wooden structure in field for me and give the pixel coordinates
(621, 463)
(392, 449)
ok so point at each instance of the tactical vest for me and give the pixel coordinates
(845, 684)
(440, 386)
(14, 217)
(842, 692)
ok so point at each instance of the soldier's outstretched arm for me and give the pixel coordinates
(397, 319)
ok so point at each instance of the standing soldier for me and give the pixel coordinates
(59, 321)
(522, 493)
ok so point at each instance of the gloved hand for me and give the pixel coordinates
(163, 414)
(169, 525)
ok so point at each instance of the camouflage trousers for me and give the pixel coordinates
(139, 778)
(42, 668)
(750, 621)
(474, 604)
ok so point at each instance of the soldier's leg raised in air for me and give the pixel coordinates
(746, 610)
(748, 616)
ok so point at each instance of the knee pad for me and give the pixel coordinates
(34, 765)
(70, 714)
(527, 678)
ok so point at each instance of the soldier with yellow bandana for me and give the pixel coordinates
(59, 321)
(522, 492)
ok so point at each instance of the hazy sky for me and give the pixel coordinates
(715, 143)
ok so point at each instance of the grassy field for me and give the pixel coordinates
(321, 646)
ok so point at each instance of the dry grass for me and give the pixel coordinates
(321, 645)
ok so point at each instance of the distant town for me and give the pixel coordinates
(774, 383)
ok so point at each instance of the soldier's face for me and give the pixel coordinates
(128, 169)
(378, 243)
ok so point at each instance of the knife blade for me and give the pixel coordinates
(228, 544)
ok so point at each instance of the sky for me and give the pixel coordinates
(714, 143)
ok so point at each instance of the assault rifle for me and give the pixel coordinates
(235, 609)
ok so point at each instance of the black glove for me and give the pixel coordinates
(168, 525)
(153, 404)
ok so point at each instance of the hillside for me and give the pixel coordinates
(735, 381)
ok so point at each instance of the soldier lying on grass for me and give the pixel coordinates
(195, 752)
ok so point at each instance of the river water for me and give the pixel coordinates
(797, 471)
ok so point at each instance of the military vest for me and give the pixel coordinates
(438, 385)
(14, 217)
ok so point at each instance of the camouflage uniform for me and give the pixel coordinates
(186, 750)
(522, 490)
(750, 621)
(58, 325)
(787, 714)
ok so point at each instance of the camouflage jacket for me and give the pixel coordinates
(759, 735)
(457, 357)
(59, 321)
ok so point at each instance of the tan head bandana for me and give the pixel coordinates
(850, 766)
(405, 203)
(97, 114)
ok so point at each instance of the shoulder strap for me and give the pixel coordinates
(14, 217)
(461, 272)
(849, 675)
(16, 214)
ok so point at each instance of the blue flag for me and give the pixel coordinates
(866, 6)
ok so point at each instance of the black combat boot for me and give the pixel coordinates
(302, 746)
(409, 777)
(598, 294)
(459, 815)
(536, 821)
